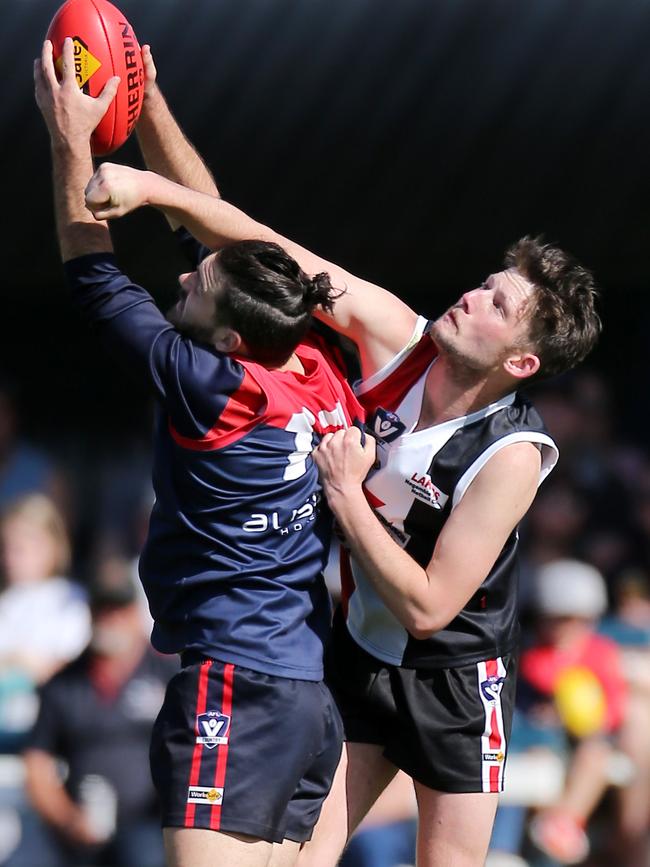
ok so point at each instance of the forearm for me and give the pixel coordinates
(404, 587)
(359, 312)
(79, 233)
(47, 795)
(167, 151)
(211, 220)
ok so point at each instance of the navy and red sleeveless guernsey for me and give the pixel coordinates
(238, 535)
(421, 476)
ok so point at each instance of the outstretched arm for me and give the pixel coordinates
(71, 116)
(426, 600)
(377, 321)
(165, 148)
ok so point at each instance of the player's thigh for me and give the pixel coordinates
(362, 775)
(285, 854)
(200, 847)
(454, 829)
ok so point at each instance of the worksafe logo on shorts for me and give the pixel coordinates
(423, 488)
(204, 795)
(491, 688)
(212, 729)
(493, 757)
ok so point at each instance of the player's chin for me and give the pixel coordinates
(442, 332)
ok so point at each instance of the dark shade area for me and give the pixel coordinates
(410, 141)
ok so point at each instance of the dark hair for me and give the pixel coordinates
(564, 324)
(268, 299)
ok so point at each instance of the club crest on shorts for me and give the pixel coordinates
(491, 687)
(212, 729)
(204, 795)
(386, 426)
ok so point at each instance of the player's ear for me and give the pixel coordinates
(522, 365)
(226, 340)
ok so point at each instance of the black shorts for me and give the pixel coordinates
(448, 728)
(240, 751)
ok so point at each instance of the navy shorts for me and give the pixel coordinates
(240, 751)
(448, 728)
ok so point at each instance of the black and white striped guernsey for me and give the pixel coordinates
(421, 477)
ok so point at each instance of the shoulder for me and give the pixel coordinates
(515, 465)
(519, 456)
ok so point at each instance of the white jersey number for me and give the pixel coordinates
(302, 424)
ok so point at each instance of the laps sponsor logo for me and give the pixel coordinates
(212, 729)
(491, 687)
(204, 795)
(423, 488)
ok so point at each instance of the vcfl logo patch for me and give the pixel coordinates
(212, 728)
(491, 688)
(386, 426)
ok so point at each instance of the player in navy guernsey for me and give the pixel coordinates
(423, 662)
(239, 534)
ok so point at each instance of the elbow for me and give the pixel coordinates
(425, 624)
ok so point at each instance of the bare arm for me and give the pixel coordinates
(378, 322)
(71, 116)
(426, 600)
(165, 148)
(52, 802)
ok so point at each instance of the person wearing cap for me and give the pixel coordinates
(571, 678)
(96, 716)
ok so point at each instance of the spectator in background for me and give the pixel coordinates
(629, 626)
(44, 617)
(572, 680)
(24, 469)
(555, 522)
(96, 715)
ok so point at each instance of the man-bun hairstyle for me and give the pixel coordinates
(564, 324)
(268, 299)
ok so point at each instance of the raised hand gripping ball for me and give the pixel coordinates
(104, 45)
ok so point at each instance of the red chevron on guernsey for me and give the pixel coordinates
(392, 390)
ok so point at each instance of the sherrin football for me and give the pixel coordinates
(104, 45)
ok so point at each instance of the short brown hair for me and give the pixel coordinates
(564, 324)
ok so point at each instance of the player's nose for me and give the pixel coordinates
(467, 300)
(184, 281)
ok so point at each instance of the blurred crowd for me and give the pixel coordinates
(80, 685)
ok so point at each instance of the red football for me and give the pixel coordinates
(104, 45)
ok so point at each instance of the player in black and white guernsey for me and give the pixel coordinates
(420, 477)
(423, 662)
(239, 534)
